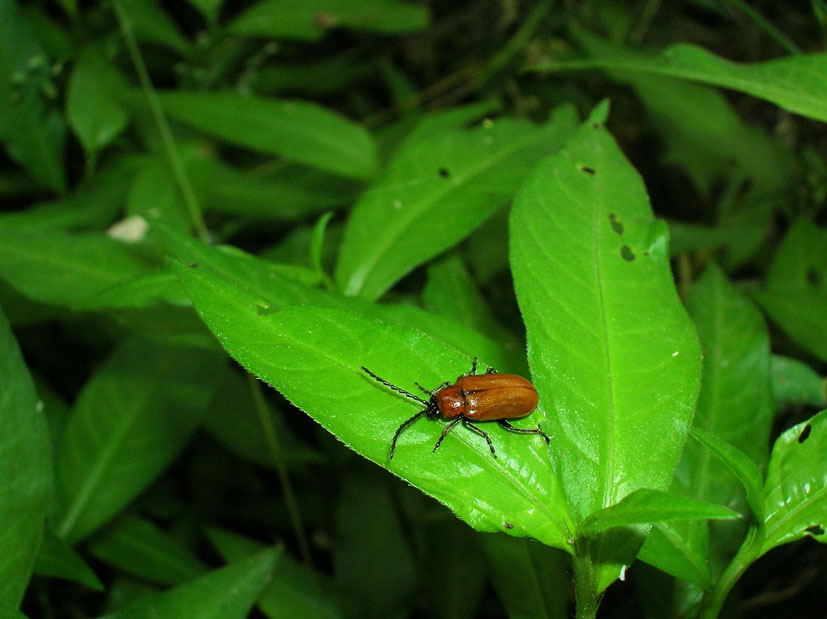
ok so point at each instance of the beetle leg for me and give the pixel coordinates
(504, 423)
(491, 371)
(402, 427)
(447, 429)
(482, 433)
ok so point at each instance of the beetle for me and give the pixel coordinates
(473, 398)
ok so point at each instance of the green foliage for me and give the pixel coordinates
(218, 215)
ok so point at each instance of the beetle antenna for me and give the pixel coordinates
(395, 388)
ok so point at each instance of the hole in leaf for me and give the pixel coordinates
(587, 169)
(596, 125)
(805, 433)
(616, 225)
(814, 278)
(627, 253)
(192, 265)
(444, 173)
(815, 530)
(508, 525)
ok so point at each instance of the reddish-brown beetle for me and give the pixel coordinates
(485, 397)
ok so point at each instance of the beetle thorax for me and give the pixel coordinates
(450, 401)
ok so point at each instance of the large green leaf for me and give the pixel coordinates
(796, 83)
(795, 491)
(313, 355)
(55, 267)
(25, 471)
(613, 354)
(226, 593)
(310, 19)
(129, 422)
(267, 279)
(795, 292)
(442, 183)
(300, 131)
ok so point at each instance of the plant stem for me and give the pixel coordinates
(750, 551)
(170, 146)
(272, 443)
(585, 598)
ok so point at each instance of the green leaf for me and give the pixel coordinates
(55, 267)
(313, 356)
(739, 463)
(129, 422)
(735, 402)
(310, 19)
(795, 83)
(92, 107)
(795, 491)
(795, 382)
(681, 549)
(530, 579)
(297, 130)
(25, 471)
(647, 506)
(151, 24)
(795, 292)
(226, 593)
(155, 193)
(136, 546)
(442, 183)
(296, 590)
(267, 280)
(57, 559)
(702, 131)
(612, 352)
(31, 130)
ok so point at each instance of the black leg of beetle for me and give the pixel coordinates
(447, 429)
(511, 428)
(474, 367)
(491, 371)
(402, 427)
(482, 433)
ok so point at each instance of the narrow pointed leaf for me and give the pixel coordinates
(442, 183)
(57, 559)
(739, 464)
(612, 351)
(795, 83)
(314, 355)
(795, 492)
(25, 471)
(300, 131)
(310, 19)
(646, 506)
(226, 593)
(138, 547)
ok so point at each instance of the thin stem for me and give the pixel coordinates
(170, 146)
(585, 598)
(750, 551)
(272, 444)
